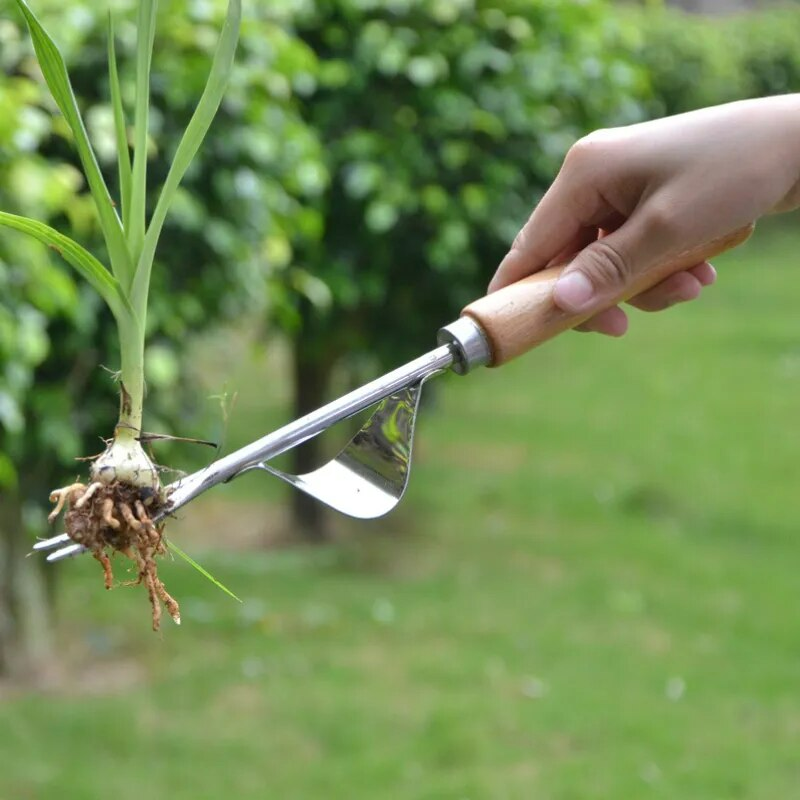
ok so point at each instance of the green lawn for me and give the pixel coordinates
(591, 591)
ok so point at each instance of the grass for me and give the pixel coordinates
(590, 592)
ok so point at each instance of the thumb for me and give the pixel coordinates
(601, 274)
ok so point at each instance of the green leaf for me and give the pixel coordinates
(204, 572)
(146, 31)
(123, 154)
(57, 78)
(190, 143)
(82, 260)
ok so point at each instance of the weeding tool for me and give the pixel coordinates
(369, 476)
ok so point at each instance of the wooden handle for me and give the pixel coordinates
(523, 315)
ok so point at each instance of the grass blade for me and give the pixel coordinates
(57, 79)
(82, 260)
(190, 143)
(204, 572)
(123, 153)
(146, 31)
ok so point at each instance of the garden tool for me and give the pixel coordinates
(369, 476)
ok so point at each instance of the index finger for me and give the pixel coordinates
(566, 219)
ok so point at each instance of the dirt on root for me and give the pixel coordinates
(119, 518)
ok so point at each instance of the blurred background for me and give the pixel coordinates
(590, 590)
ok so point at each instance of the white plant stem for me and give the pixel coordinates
(125, 460)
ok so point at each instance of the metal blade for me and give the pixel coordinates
(54, 541)
(66, 552)
(370, 475)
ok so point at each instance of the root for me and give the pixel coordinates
(141, 513)
(127, 515)
(136, 556)
(150, 583)
(173, 609)
(60, 496)
(108, 574)
(107, 512)
(87, 495)
(152, 533)
(116, 517)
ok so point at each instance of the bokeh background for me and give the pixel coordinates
(590, 590)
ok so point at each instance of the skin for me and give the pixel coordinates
(628, 198)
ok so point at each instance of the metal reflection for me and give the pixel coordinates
(370, 475)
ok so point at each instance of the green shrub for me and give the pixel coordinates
(769, 51)
(695, 61)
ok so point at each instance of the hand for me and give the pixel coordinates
(629, 198)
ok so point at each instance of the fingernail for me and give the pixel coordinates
(573, 291)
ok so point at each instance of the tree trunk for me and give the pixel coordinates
(7, 593)
(25, 644)
(311, 375)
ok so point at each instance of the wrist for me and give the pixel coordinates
(776, 131)
(785, 118)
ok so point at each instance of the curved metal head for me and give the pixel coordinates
(370, 475)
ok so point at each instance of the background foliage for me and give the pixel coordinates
(694, 61)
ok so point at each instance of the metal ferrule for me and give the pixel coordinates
(469, 342)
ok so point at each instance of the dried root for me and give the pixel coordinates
(118, 517)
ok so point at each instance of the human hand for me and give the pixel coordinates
(629, 198)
